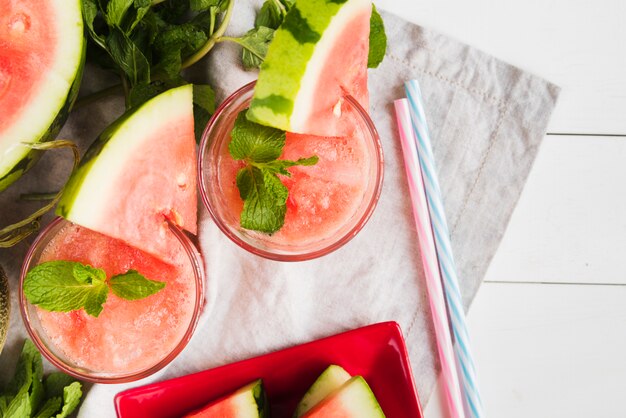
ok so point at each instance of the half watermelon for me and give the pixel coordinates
(42, 53)
(318, 55)
(138, 175)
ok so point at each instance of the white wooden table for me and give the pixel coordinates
(548, 325)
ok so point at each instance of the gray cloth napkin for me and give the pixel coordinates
(486, 119)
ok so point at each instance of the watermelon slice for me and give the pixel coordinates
(330, 380)
(138, 174)
(248, 402)
(353, 400)
(42, 52)
(318, 55)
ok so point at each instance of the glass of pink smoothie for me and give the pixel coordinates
(328, 203)
(129, 340)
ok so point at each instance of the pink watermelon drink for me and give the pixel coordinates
(328, 202)
(129, 339)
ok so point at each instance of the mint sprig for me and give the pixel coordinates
(29, 394)
(378, 40)
(64, 286)
(264, 195)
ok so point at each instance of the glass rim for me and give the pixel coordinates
(281, 256)
(199, 275)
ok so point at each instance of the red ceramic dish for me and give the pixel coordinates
(376, 352)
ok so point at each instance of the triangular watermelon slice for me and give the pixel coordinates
(248, 402)
(318, 56)
(329, 381)
(42, 52)
(352, 400)
(138, 174)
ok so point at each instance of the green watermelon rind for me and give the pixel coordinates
(5, 307)
(76, 189)
(29, 157)
(281, 92)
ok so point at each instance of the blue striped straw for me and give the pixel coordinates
(456, 314)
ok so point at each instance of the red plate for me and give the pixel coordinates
(376, 352)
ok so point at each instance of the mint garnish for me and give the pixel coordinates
(378, 40)
(133, 286)
(264, 195)
(64, 286)
(28, 394)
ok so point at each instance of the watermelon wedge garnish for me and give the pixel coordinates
(248, 402)
(318, 55)
(138, 175)
(42, 52)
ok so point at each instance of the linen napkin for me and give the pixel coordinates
(487, 120)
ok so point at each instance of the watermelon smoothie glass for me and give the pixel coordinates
(328, 202)
(129, 340)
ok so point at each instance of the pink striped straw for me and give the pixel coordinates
(430, 261)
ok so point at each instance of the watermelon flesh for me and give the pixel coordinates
(323, 198)
(352, 400)
(139, 175)
(248, 402)
(329, 381)
(317, 56)
(41, 59)
(128, 336)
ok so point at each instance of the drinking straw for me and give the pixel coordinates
(429, 260)
(447, 266)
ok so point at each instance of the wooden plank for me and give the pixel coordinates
(570, 223)
(548, 350)
(577, 44)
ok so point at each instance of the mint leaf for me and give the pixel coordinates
(52, 286)
(19, 407)
(264, 195)
(201, 5)
(133, 286)
(281, 166)
(116, 9)
(378, 40)
(87, 274)
(253, 142)
(271, 15)
(265, 199)
(90, 11)
(128, 56)
(55, 382)
(49, 408)
(71, 399)
(255, 44)
(203, 107)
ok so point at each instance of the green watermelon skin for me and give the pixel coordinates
(21, 163)
(138, 175)
(318, 55)
(31, 157)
